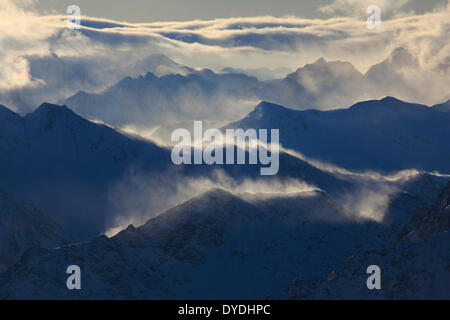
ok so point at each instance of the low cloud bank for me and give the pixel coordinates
(45, 61)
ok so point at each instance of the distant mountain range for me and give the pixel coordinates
(53, 152)
(224, 231)
(175, 99)
(262, 74)
(58, 77)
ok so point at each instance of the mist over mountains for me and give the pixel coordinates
(122, 178)
(190, 252)
(142, 103)
(63, 163)
(87, 177)
(383, 135)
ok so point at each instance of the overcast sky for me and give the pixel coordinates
(177, 10)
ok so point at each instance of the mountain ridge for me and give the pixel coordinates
(387, 130)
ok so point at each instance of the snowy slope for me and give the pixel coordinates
(410, 271)
(216, 245)
(382, 135)
(202, 248)
(65, 164)
(69, 166)
(219, 244)
(429, 221)
(418, 266)
(22, 227)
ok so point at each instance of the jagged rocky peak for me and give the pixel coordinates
(322, 67)
(49, 116)
(216, 198)
(402, 57)
(398, 59)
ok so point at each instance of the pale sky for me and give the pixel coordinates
(180, 10)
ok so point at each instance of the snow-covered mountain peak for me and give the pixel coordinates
(48, 108)
(52, 111)
(399, 59)
(389, 99)
(45, 155)
(262, 113)
(387, 130)
(160, 65)
(332, 70)
(216, 193)
(402, 57)
(269, 107)
(216, 208)
(393, 102)
(57, 121)
(220, 200)
(388, 103)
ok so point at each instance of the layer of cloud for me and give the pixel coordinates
(43, 60)
(357, 8)
(137, 198)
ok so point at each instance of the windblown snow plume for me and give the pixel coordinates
(152, 196)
